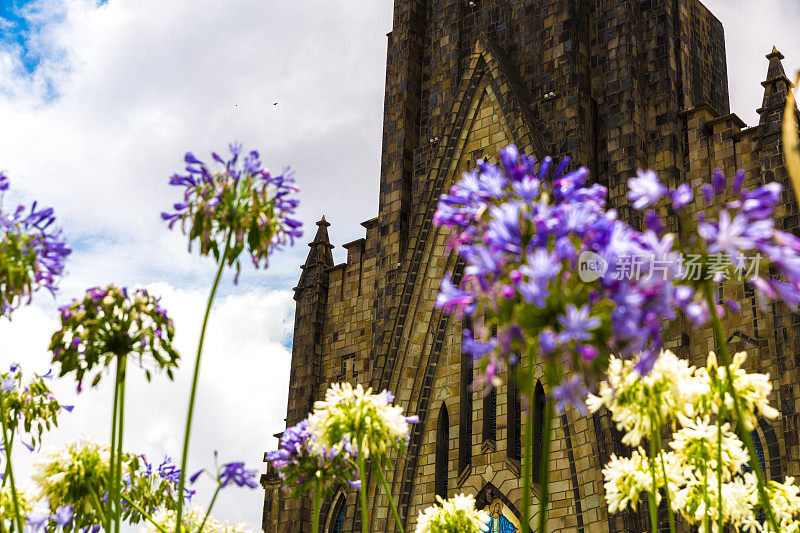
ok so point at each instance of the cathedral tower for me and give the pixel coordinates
(616, 85)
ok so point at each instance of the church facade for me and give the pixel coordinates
(617, 85)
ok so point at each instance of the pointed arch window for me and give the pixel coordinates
(465, 407)
(514, 415)
(539, 401)
(442, 450)
(337, 516)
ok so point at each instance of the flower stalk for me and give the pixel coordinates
(121, 362)
(10, 469)
(362, 493)
(193, 393)
(315, 511)
(382, 478)
(744, 435)
(551, 375)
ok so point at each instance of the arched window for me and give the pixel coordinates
(442, 450)
(337, 516)
(514, 416)
(465, 408)
(539, 401)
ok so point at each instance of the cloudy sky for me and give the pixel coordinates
(98, 103)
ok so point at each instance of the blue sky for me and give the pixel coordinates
(99, 102)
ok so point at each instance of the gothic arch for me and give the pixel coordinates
(487, 77)
(338, 507)
(770, 450)
(488, 493)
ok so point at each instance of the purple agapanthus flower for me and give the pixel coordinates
(682, 196)
(300, 466)
(728, 235)
(32, 256)
(577, 324)
(451, 297)
(37, 519)
(645, 189)
(237, 474)
(63, 515)
(571, 392)
(242, 200)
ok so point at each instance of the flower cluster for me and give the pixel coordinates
(151, 487)
(688, 398)
(541, 252)
(456, 514)
(113, 322)
(32, 253)
(25, 496)
(62, 518)
(744, 224)
(29, 406)
(357, 420)
(192, 519)
(300, 465)
(77, 476)
(241, 203)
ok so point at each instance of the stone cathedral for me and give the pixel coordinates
(617, 85)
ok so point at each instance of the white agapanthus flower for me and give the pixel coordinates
(753, 390)
(357, 419)
(636, 401)
(689, 399)
(192, 518)
(27, 495)
(458, 514)
(695, 446)
(69, 475)
(626, 478)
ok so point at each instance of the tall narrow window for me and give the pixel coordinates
(538, 428)
(442, 449)
(465, 409)
(514, 416)
(490, 415)
(490, 409)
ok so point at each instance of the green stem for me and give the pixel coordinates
(112, 449)
(118, 456)
(193, 393)
(741, 431)
(98, 507)
(315, 513)
(720, 520)
(551, 373)
(652, 502)
(389, 495)
(144, 514)
(362, 476)
(210, 506)
(670, 514)
(2, 526)
(7, 446)
(527, 460)
(706, 522)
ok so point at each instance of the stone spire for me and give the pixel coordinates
(318, 261)
(776, 88)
